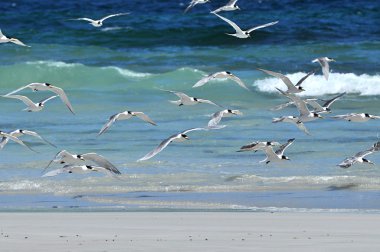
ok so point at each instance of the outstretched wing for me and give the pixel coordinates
(262, 26)
(17, 90)
(215, 120)
(158, 149)
(208, 102)
(283, 147)
(101, 161)
(305, 77)
(63, 96)
(114, 15)
(328, 103)
(47, 99)
(204, 80)
(237, 80)
(15, 139)
(32, 133)
(28, 102)
(285, 79)
(235, 26)
(144, 117)
(84, 19)
(109, 123)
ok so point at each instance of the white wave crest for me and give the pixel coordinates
(58, 64)
(316, 85)
(128, 73)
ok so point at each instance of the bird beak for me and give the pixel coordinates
(187, 138)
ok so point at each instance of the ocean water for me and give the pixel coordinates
(123, 64)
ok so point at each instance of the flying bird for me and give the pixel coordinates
(32, 107)
(297, 88)
(293, 120)
(47, 87)
(230, 6)
(124, 116)
(195, 2)
(15, 139)
(356, 117)
(5, 39)
(220, 75)
(278, 155)
(188, 100)
(255, 146)
(20, 132)
(241, 33)
(180, 137)
(324, 62)
(80, 169)
(359, 157)
(217, 117)
(99, 22)
(65, 157)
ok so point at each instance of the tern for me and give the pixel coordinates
(230, 6)
(195, 2)
(188, 100)
(255, 146)
(99, 23)
(180, 137)
(32, 107)
(20, 132)
(47, 87)
(359, 157)
(124, 116)
(221, 75)
(65, 157)
(324, 62)
(293, 120)
(15, 139)
(356, 117)
(278, 155)
(5, 39)
(81, 169)
(216, 117)
(239, 32)
(297, 88)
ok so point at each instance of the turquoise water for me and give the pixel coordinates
(122, 66)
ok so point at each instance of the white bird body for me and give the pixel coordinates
(20, 132)
(99, 22)
(188, 100)
(217, 117)
(5, 39)
(359, 157)
(32, 107)
(125, 116)
(47, 87)
(243, 33)
(324, 62)
(356, 117)
(220, 75)
(278, 155)
(230, 6)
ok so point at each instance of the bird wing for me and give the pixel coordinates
(302, 127)
(305, 77)
(216, 117)
(1, 34)
(238, 81)
(283, 147)
(235, 26)
(32, 133)
(232, 2)
(113, 15)
(248, 147)
(328, 103)
(158, 149)
(19, 89)
(18, 42)
(348, 162)
(314, 104)
(108, 124)
(28, 102)
(179, 94)
(262, 26)
(15, 139)
(144, 117)
(101, 161)
(191, 5)
(204, 80)
(285, 79)
(56, 172)
(63, 96)
(300, 104)
(208, 102)
(364, 153)
(47, 99)
(193, 129)
(325, 67)
(85, 19)
(282, 106)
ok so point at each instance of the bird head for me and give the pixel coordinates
(330, 59)
(367, 161)
(273, 143)
(285, 157)
(301, 88)
(185, 136)
(80, 157)
(236, 7)
(317, 115)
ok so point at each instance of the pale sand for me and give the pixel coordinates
(189, 231)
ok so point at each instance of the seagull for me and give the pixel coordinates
(297, 88)
(124, 116)
(32, 107)
(230, 6)
(5, 39)
(47, 87)
(325, 108)
(305, 114)
(324, 62)
(255, 146)
(220, 75)
(20, 132)
(278, 155)
(195, 2)
(15, 139)
(180, 137)
(188, 100)
(239, 32)
(359, 157)
(98, 23)
(356, 117)
(81, 169)
(65, 157)
(294, 120)
(216, 117)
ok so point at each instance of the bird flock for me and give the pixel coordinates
(309, 109)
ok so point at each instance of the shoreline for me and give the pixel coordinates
(208, 231)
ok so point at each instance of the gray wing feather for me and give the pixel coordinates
(145, 118)
(262, 26)
(101, 161)
(285, 79)
(283, 147)
(158, 149)
(108, 124)
(305, 77)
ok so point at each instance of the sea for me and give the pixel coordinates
(124, 64)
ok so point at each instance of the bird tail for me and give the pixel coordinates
(276, 120)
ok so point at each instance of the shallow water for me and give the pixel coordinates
(122, 66)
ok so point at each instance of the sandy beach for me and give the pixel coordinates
(189, 231)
